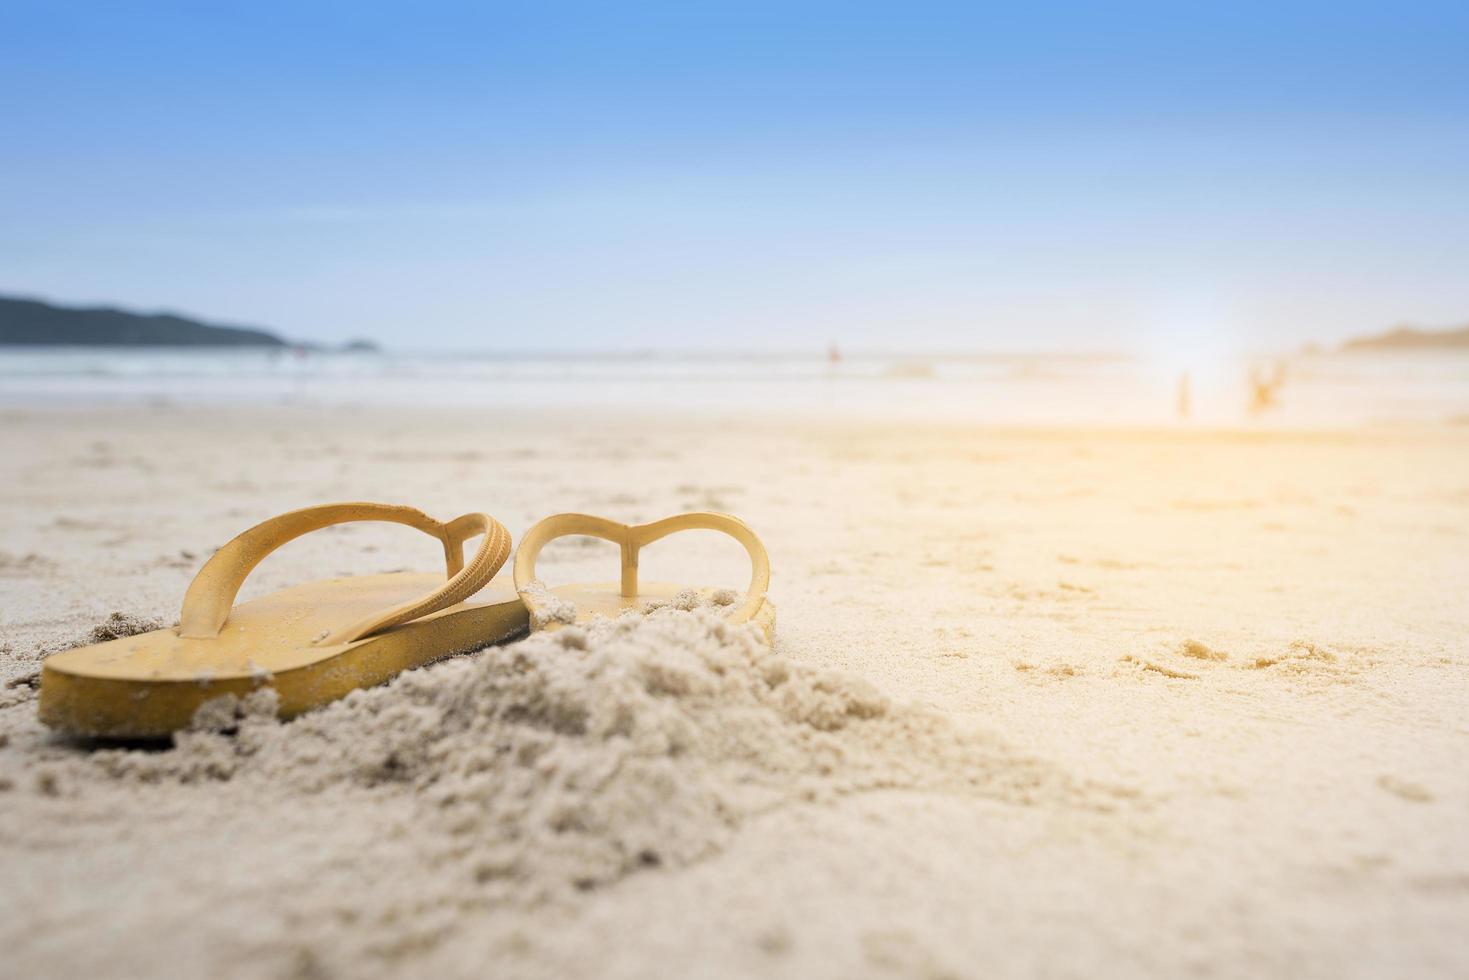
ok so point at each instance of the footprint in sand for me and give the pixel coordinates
(25, 566)
(1404, 789)
(1300, 658)
(1198, 651)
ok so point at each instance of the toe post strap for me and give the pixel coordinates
(632, 538)
(212, 594)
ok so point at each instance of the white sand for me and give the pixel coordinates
(1044, 703)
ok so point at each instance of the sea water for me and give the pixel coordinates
(1315, 391)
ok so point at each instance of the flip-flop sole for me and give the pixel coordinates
(149, 685)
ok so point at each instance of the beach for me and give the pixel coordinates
(1045, 700)
(852, 492)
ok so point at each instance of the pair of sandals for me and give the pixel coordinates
(317, 642)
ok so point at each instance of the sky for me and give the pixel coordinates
(548, 176)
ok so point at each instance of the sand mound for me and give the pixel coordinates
(523, 775)
(119, 625)
(570, 759)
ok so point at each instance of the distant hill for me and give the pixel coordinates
(1411, 338)
(32, 323)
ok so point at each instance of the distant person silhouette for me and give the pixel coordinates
(1265, 388)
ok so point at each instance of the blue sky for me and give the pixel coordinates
(692, 175)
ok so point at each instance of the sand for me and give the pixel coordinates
(1042, 703)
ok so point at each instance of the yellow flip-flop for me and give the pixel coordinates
(311, 643)
(551, 608)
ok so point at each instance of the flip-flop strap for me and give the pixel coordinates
(632, 538)
(212, 594)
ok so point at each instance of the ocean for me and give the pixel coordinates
(1314, 391)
